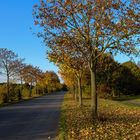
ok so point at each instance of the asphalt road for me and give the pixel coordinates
(36, 119)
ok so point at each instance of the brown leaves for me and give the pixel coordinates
(116, 121)
(55, 9)
(115, 6)
(36, 22)
(67, 3)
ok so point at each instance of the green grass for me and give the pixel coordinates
(63, 126)
(116, 121)
(126, 97)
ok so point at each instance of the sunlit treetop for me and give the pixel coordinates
(105, 25)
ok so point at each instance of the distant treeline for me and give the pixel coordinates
(24, 81)
(113, 79)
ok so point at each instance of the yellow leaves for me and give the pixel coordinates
(80, 6)
(130, 12)
(55, 9)
(116, 121)
(67, 2)
(125, 31)
(99, 32)
(97, 25)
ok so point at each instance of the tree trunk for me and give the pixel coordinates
(94, 102)
(36, 88)
(76, 98)
(73, 92)
(30, 92)
(80, 91)
(8, 88)
(21, 87)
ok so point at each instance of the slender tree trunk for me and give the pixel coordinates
(36, 89)
(43, 91)
(80, 91)
(30, 90)
(94, 102)
(8, 88)
(76, 98)
(73, 92)
(21, 87)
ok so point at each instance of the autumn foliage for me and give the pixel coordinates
(24, 81)
(80, 32)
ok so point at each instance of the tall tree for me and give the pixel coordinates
(133, 67)
(71, 79)
(70, 60)
(101, 25)
(29, 74)
(10, 65)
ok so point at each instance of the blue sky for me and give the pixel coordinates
(15, 34)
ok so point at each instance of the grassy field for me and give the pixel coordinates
(117, 121)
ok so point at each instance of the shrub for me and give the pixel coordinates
(103, 91)
(3, 94)
(25, 93)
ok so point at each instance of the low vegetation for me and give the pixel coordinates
(24, 81)
(22, 92)
(116, 121)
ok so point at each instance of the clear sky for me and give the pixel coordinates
(15, 34)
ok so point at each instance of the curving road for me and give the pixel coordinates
(36, 119)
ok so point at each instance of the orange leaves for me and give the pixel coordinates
(115, 6)
(80, 6)
(96, 24)
(67, 2)
(130, 12)
(125, 31)
(55, 9)
(36, 22)
(99, 33)
(116, 121)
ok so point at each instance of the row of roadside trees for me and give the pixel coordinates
(113, 79)
(79, 33)
(23, 80)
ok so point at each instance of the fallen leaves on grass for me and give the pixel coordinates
(115, 122)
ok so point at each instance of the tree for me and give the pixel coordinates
(70, 60)
(102, 26)
(133, 68)
(29, 76)
(69, 76)
(125, 80)
(10, 65)
(51, 81)
(105, 67)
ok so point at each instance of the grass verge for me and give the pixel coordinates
(125, 98)
(116, 121)
(19, 101)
